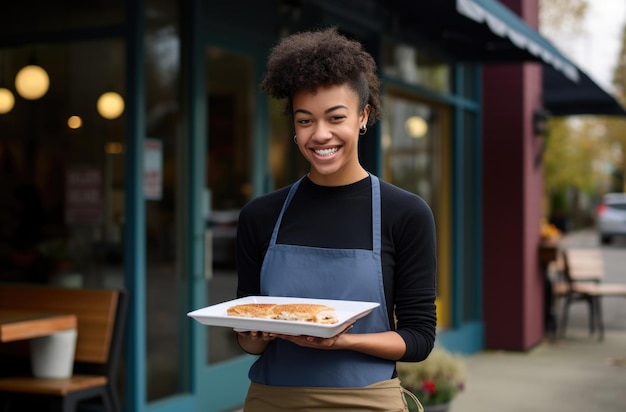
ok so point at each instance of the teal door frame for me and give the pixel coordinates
(134, 236)
(221, 386)
(134, 242)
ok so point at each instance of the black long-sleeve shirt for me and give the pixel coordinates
(341, 217)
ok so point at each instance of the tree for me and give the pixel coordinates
(561, 16)
(572, 142)
(585, 154)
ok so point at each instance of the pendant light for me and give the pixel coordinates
(7, 100)
(74, 122)
(32, 82)
(110, 105)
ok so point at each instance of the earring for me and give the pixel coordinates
(363, 130)
(295, 138)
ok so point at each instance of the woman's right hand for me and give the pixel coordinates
(254, 342)
(255, 335)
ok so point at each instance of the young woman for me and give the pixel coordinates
(337, 233)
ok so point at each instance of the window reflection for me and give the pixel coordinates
(415, 66)
(166, 367)
(416, 157)
(230, 103)
(61, 203)
(410, 143)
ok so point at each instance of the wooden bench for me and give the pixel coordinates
(582, 272)
(100, 316)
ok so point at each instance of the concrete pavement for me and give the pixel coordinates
(574, 373)
(577, 373)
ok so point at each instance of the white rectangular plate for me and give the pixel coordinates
(347, 312)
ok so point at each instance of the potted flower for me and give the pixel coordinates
(434, 381)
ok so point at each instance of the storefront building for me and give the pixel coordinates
(128, 166)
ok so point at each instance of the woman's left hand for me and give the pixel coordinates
(386, 345)
(314, 341)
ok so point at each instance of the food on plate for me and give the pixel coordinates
(304, 312)
(250, 310)
(299, 312)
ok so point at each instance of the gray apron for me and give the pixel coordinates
(325, 273)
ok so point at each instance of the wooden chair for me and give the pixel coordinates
(583, 271)
(101, 318)
(563, 288)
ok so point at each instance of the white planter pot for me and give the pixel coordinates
(53, 356)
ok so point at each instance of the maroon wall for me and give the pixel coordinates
(512, 201)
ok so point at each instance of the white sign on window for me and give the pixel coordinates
(84, 195)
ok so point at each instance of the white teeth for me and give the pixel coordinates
(326, 152)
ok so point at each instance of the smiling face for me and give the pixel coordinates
(327, 123)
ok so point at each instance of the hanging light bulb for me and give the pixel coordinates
(7, 101)
(32, 82)
(74, 122)
(110, 105)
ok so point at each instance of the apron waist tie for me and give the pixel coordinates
(385, 396)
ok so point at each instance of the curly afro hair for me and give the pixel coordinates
(308, 60)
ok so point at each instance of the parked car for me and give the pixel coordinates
(611, 217)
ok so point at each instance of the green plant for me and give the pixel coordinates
(436, 380)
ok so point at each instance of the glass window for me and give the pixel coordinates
(411, 147)
(165, 364)
(416, 158)
(62, 165)
(230, 103)
(415, 66)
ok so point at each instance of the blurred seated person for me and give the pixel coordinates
(559, 220)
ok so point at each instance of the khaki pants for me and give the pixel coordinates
(386, 396)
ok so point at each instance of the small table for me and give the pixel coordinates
(24, 324)
(52, 339)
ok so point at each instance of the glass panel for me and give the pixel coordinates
(60, 15)
(230, 102)
(62, 167)
(417, 67)
(411, 147)
(412, 144)
(166, 368)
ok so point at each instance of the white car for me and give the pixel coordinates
(611, 217)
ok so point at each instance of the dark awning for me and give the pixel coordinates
(563, 97)
(488, 32)
(567, 90)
